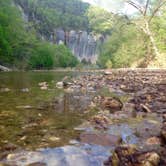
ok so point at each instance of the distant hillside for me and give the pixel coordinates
(48, 15)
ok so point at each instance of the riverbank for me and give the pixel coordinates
(127, 125)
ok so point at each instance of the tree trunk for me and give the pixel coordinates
(152, 40)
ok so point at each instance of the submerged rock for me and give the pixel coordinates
(100, 139)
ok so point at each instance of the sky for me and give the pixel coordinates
(112, 5)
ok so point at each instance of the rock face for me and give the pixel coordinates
(85, 46)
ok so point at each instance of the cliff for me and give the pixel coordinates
(59, 23)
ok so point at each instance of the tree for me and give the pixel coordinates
(99, 19)
(147, 10)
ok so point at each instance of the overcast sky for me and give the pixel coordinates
(112, 5)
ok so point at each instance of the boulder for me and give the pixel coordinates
(100, 122)
(112, 104)
(100, 139)
(128, 155)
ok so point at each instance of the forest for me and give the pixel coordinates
(127, 41)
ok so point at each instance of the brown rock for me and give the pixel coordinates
(153, 141)
(37, 164)
(130, 156)
(100, 139)
(163, 132)
(112, 104)
(100, 121)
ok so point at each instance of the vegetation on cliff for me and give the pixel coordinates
(20, 47)
(136, 40)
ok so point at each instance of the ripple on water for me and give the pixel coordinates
(84, 155)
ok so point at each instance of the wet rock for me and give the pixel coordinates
(25, 90)
(4, 89)
(112, 104)
(59, 85)
(100, 139)
(24, 107)
(44, 88)
(100, 121)
(163, 132)
(130, 156)
(37, 164)
(153, 141)
(54, 139)
(9, 147)
(43, 84)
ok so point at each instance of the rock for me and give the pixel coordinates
(100, 121)
(151, 159)
(5, 90)
(107, 72)
(59, 85)
(43, 84)
(3, 68)
(44, 88)
(112, 104)
(24, 107)
(10, 156)
(9, 147)
(163, 132)
(25, 90)
(130, 156)
(153, 141)
(37, 164)
(54, 139)
(100, 139)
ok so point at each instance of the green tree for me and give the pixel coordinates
(99, 19)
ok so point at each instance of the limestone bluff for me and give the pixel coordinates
(83, 43)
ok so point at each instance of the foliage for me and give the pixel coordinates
(63, 57)
(48, 15)
(125, 46)
(99, 19)
(20, 47)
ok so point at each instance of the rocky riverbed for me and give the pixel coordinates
(127, 126)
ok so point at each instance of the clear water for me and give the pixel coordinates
(25, 118)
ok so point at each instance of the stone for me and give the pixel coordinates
(43, 87)
(163, 132)
(37, 164)
(43, 84)
(5, 90)
(152, 159)
(59, 85)
(54, 139)
(100, 139)
(100, 121)
(24, 107)
(11, 156)
(25, 90)
(112, 104)
(153, 141)
(129, 156)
